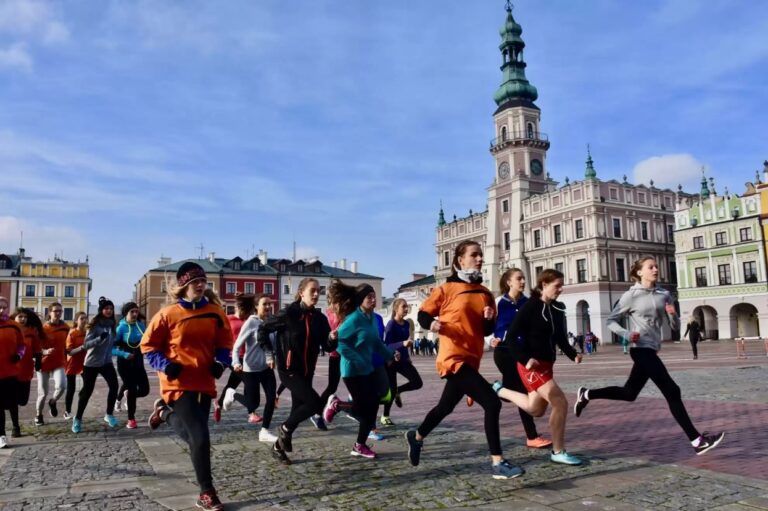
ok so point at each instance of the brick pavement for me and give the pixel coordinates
(638, 457)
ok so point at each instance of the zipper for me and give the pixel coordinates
(306, 345)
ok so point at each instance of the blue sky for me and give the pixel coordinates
(131, 130)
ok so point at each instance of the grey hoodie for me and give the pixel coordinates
(99, 350)
(644, 310)
(255, 358)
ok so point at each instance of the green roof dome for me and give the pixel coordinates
(514, 84)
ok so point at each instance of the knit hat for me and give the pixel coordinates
(188, 272)
(104, 303)
(128, 307)
(361, 292)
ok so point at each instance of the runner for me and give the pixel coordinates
(466, 311)
(189, 344)
(334, 375)
(693, 332)
(244, 307)
(301, 329)
(540, 325)
(646, 306)
(76, 362)
(54, 358)
(397, 336)
(12, 350)
(512, 299)
(254, 371)
(358, 339)
(32, 328)
(130, 362)
(99, 341)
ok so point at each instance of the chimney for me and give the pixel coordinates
(334, 264)
(263, 256)
(212, 257)
(353, 267)
(163, 261)
(418, 276)
(22, 252)
(343, 263)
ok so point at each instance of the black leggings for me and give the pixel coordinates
(305, 402)
(190, 421)
(408, 370)
(510, 378)
(365, 403)
(69, 396)
(648, 365)
(467, 381)
(232, 383)
(694, 348)
(251, 382)
(135, 382)
(22, 398)
(334, 377)
(89, 382)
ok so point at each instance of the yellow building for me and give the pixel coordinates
(41, 283)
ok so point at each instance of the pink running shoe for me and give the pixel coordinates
(363, 451)
(331, 409)
(131, 424)
(254, 418)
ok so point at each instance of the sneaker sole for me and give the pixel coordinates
(360, 455)
(498, 476)
(572, 464)
(410, 459)
(711, 446)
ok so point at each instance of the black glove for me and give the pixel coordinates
(15, 358)
(38, 362)
(173, 370)
(217, 369)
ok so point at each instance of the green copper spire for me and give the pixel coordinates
(514, 84)
(441, 218)
(590, 173)
(704, 188)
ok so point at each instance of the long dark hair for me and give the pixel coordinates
(459, 251)
(344, 297)
(100, 317)
(544, 278)
(505, 278)
(33, 321)
(637, 266)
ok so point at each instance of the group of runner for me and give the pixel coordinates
(191, 342)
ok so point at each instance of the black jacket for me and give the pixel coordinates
(541, 327)
(300, 334)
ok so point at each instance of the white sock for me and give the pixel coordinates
(696, 442)
(586, 394)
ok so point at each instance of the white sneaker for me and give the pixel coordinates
(229, 398)
(3, 442)
(266, 436)
(118, 405)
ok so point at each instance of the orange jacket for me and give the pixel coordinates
(56, 338)
(459, 307)
(11, 341)
(27, 364)
(189, 337)
(74, 364)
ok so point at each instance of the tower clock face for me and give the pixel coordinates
(504, 170)
(536, 167)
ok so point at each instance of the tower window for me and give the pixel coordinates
(503, 133)
(530, 130)
(505, 206)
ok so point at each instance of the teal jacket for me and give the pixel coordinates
(358, 340)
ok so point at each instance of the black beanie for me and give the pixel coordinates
(104, 303)
(128, 307)
(188, 272)
(361, 292)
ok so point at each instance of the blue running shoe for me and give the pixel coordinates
(506, 470)
(112, 421)
(497, 386)
(565, 458)
(375, 435)
(76, 426)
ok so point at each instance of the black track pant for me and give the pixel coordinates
(22, 398)
(334, 377)
(510, 378)
(89, 382)
(135, 382)
(408, 370)
(305, 400)
(647, 366)
(365, 403)
(252, 381)
(467, 381)
(69, 395)
(695, 348)
(190, 421)
(232, 383)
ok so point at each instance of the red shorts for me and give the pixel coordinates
(537, 377)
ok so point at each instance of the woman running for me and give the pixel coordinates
(512, 299)
(334, 375)
(51, 366)
(466, 311)
(32, 328)
(189, 343)
(693, 331)
(301, 330)
(12, 350)
(358, 339)
(130, 362)
(397, 336)
(244, 307)
(99, 341)
(76, 362)
(253, 370)
(533, 338)
(646, 306)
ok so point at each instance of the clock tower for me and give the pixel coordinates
(519, 150)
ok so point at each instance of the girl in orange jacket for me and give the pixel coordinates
(51, 365)
(74, 365)
(32, 328)
(12, 350)
(189, 343)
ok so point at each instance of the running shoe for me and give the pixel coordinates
(16, 432)
(229, 399)
(707, 442)
(210, 501)
(470, 401)
(284, 439)
(39, 421)
(564, 458)
(398, 400)
(159, 413)
(331, 408)
(497, 386)
(254, 418)
(131, 424)
(52, 406)
(67, 415)
(265, 435)
(386, 421)
(111, 420)
(581, 401)
(118, 405)
(76, 425)
(3, 442)
(216, 413)
(538, 443)
(375, 435)
(506, 470)
(414, 447)
(362, 450)
(279, 454)
(318, 422)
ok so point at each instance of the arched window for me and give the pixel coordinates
(503, 133)
(530, 130)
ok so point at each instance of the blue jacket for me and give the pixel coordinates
(358, 341)
(128, 338)
(507, 309)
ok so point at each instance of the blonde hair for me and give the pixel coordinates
(176, 292)
(396, 304)
(303, 284)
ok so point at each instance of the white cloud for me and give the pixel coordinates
(16, 56)
(41, 242)
(669, 170)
